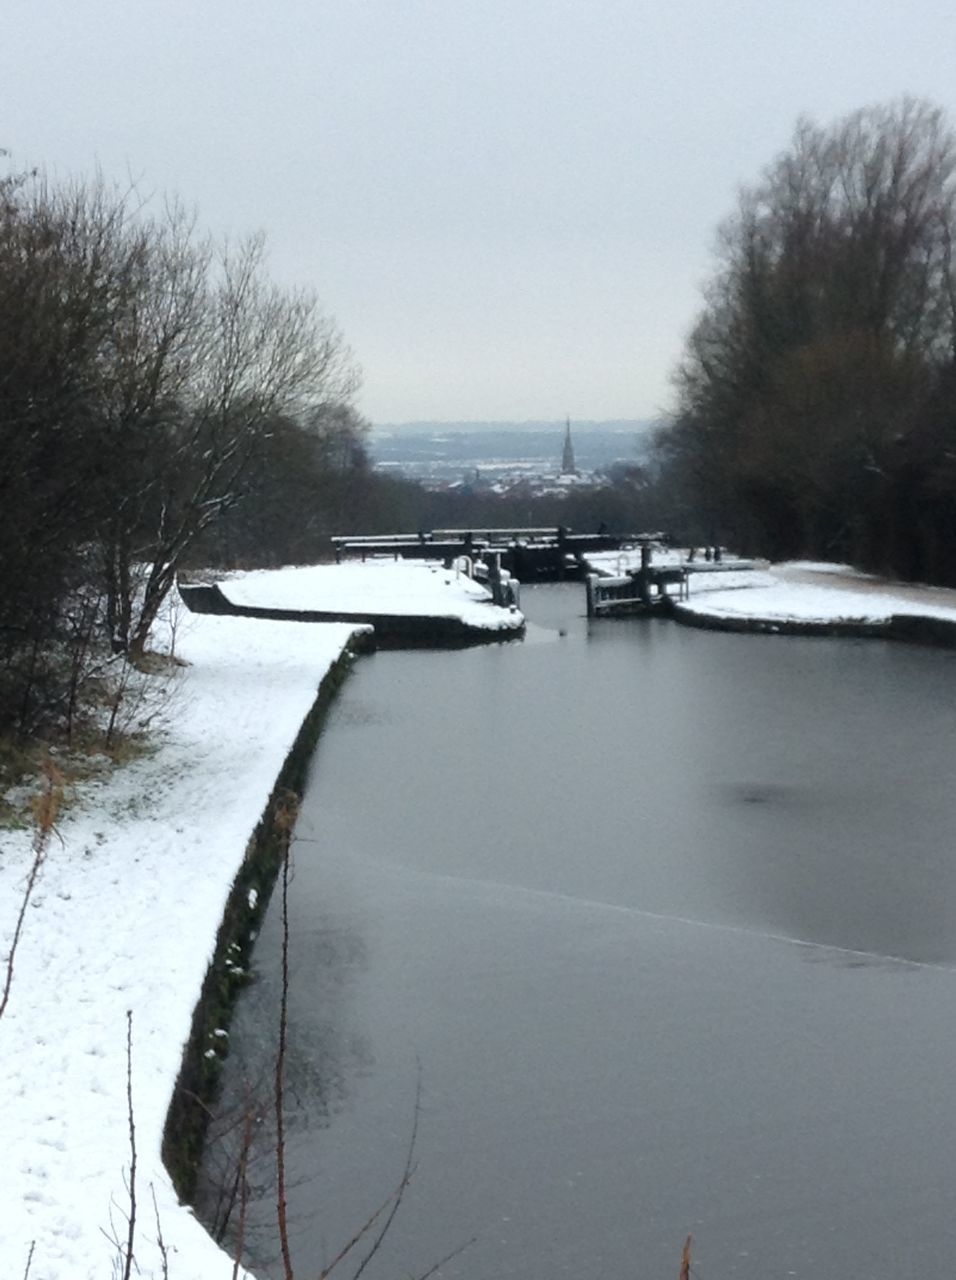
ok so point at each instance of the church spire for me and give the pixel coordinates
(567, 458)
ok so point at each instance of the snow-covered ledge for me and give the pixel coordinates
(125, 917)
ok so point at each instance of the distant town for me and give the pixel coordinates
(511, 459)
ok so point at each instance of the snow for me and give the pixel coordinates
(804, 591)
(124, 918)
(400, 587)
(825, 566)
(797, 591)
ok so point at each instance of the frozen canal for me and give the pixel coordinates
(668, 919)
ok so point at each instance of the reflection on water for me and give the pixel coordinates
(561, 876)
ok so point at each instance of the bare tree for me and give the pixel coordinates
(260, 352)
(826, 326)
(140, 370)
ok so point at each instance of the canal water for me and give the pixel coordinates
(643, 932)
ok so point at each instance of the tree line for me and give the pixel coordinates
(164, 404)
(816, 398)
(149, 378)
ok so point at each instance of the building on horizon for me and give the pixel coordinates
(568, 467)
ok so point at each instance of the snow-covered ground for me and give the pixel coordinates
(801, 591)
(796, 591)
(124, 918)
(403, 587)
(132, 892)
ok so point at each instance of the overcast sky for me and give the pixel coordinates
(508, 205)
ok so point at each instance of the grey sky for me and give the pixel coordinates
(509, 206)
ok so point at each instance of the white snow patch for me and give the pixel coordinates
(805, 591)
(802, 591)
(124, 918)
(400, 587)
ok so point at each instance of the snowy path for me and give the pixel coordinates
(124, 918)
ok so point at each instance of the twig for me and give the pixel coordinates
(230, 1183)
(229, 1192)
(131, 1234)
(357, 1238)
(26, 1270)
(243, 1191)
(160, 1242)
(685, 1259)
(407, 1174)
(45, 810)
(425, 1275)
(284, 821)
(38, 852)
(391, 1202)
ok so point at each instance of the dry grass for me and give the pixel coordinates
(84, 759)
(152, 663)
(21, 763)
(112, 724)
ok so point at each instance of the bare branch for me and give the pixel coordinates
(160, 1241)
(131, 1124)
(45, 811)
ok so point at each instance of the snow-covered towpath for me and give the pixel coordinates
(124, 918)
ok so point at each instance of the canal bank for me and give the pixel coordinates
(197, 1084)
(804, 598)
(913, 628)
(795, 598)
(116, 943)
(409, 604)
